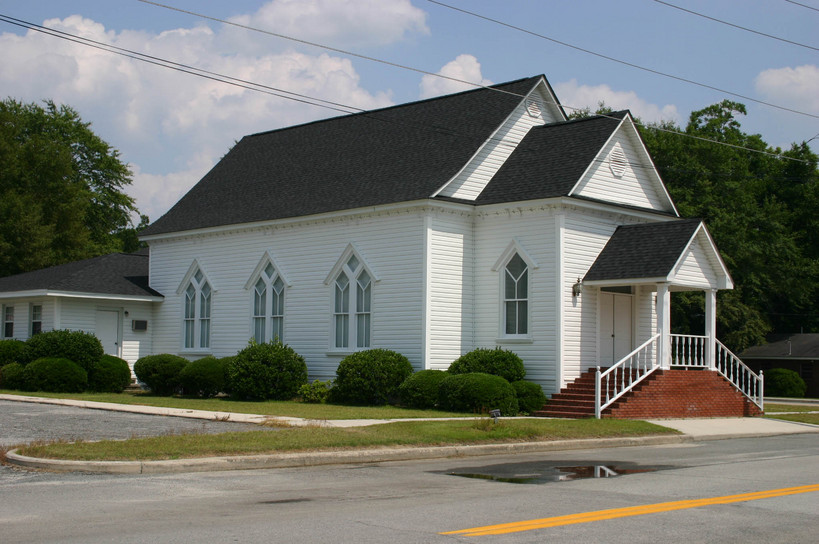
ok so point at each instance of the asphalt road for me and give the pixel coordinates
(408, 502)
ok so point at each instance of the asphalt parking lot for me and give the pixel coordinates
(24, 422)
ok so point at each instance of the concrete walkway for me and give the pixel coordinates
(691, 430)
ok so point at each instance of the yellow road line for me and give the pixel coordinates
(585, 517)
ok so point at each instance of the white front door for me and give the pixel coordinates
(615, 327)
(107, 330)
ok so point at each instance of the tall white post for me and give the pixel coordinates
(664, 325)
(711, 328)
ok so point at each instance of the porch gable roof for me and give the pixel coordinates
(656, 252)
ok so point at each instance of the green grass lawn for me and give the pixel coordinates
(266, 408)
(813, 419)
(773, 407)
(405, 433)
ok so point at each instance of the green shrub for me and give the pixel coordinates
(420, 390)
(82, 348)
(530, 396)
(55, 375)
(477, 392)
(497, 361)
(12, 376)
(204, 377)
(316, 392)
(160, 372)
(781, 382)
(13, 351)
(267, 371)
(109, 375)
(370, 377)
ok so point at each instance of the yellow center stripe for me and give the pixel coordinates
(599, 515)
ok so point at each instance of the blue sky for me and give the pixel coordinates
(171, 127)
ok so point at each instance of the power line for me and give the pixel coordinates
(746, 29)
(803, 5)
(313, 101)
(619, 61)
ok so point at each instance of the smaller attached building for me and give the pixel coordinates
(107, 296)
(797, 352)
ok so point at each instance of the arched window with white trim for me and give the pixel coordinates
(268, 306)
(516, 297)
(198, 294)
(352, 306)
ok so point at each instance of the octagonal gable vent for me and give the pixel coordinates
(617, 161)
(533, 108)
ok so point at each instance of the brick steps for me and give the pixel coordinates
(664, 394)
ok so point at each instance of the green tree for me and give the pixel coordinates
(759, 207)
(61, 189)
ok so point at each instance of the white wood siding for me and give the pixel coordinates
(391, 243)
(697, 269)
(534, 231)
(449, 292)
(472, 180)
(646, 309)
(136, 344)
(638, 186)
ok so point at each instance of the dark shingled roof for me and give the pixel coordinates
(647, 250)
(550, 160)
(396, 154)
(786, 346)
(113, 274)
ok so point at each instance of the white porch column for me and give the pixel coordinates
(664, 325)
(711, 327)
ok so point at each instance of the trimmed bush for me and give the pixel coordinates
(109, 375)
(55, 375)
(82, 348)
(370, 377)
(781, 382)
(13, 351)
(160, 372)
(12, 376)
(530, 396)
(267, 371)
(497, 361)
(316, 392)
(420, 390)
(477, 392)
(204, 377)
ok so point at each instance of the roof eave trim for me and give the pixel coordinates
(80, 294)
(626, 281)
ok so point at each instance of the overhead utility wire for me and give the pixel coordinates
(746, 29)
(313, 101)
(803, 5)
(623, 62)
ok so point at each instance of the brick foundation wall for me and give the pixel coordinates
(680, 394)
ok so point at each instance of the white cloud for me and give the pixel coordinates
(463, 68)
(573, 95)
(797, 88)
(337, 23)
(171, 127)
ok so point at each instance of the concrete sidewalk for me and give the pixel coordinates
(692, 430)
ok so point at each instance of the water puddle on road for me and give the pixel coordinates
(550, 471)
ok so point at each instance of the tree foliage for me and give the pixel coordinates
(760, 209)
(61, 189)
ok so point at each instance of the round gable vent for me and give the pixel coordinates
(617, 161)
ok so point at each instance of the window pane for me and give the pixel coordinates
(204, 333)
(259, 299)
(198, 276)
(523, 317)
(189, 333)
(269, 270)
(258, 330)
(510, 286)
(190, 294)
(523, 285)
(278, 285)
(363, 331)
(37, 313)
(342, 295)
(516, 266)
(278, 329)
(204, 310)
(511, 317)
(342, 331)
(353, 263)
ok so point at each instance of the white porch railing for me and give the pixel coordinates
(688, 350)
(744, 379)
(621, 377)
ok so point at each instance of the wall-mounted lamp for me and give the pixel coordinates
(577, 288)
(126, 313)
